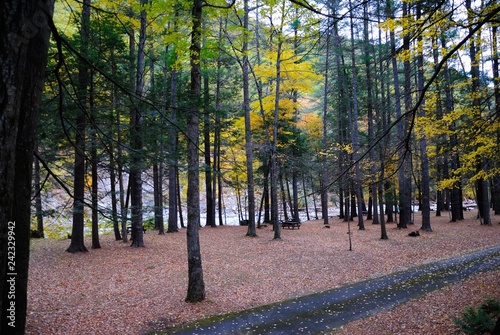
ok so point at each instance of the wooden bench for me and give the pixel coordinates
(290, 224)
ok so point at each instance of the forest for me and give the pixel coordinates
(155, 114)
(393, 103)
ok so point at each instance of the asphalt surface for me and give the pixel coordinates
(324, 312)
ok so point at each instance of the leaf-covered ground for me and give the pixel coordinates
(122, 290)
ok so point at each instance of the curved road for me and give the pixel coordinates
(324, 312)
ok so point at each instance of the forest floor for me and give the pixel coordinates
(123, 290)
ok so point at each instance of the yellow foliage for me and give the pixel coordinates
(389, 24)
(404, 55)
(312, 125)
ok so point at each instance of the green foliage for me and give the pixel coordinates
(480, 320)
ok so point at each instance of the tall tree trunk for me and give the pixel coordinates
(23, 55)
(405, 168)
(114, 200)
(456, 198)
(77, 234)
(216, 186)
(355, 131)
(283, 196)
(220, 199)
(121, 187)
(305, 197)
(324, 160)
(173, 204)
(266, 191)
(93, 162)
(401, 124)
(496, 85)
(38, 199)
(482, 165)
(196, 284)
(136, 165)
(424, 160)
(441, 154)
(389, 201)
(369, 107)
(294, 167)
(274, 143)
(158, 198)
(380, 188)
(343, 125)
(112, 159)
(209, 194)
(179, 200)
(248, 130)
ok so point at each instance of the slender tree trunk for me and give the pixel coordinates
(173, 204)
(267, 200)
(405, 168)
(355, 131)
(305, 197)
(216, 180)
(401, 124)
(219, 182)
(496, 84)
(114, 200)
(274, 146)
(248, 130)
(196, 284)
(383, 229)
(389, 201)
(456, 198)
(483, 202)
(283, 196)
(324, 160)
(93, 162)
(38, 199)
(77, 234)
(115, 165)
(209, 194)
(441, 155)
(123, 206)
(343, 125)
(370, 102)
(294, 167)
(23, 55)
(136, 141)
(424, 160)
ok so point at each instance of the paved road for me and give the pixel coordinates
(324, 312)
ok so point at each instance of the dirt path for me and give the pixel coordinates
(324, 312)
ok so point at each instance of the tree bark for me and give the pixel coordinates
(136, 165)
(482, 165)
(324, 162)
(77, 233)
(24, 42)
(496, 85)
(424, 160)
(456, 198)
(405, 168)
(173, 204)
(373, 209)
(38, 199)
(355, 131)
(209, 194)
(274, 143)
(196, 284)
(248, 130)
(93, 162)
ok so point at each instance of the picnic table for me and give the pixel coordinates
(290, 224)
